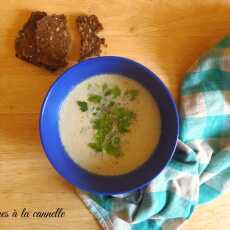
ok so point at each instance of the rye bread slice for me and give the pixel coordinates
(44, 40)
(91, 44)
(53, 41)
(25, 43)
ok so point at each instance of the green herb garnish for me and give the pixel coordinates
(103, 123)
(111, 120)
(94, 98)
(112, 149)
(115, 91)
(104, 87)
(123, 118)
(111, 103)
(97, 147)
(131, 94)
(82, 105)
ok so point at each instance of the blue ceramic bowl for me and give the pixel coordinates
(65, 166)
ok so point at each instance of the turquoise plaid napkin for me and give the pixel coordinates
(200, 169)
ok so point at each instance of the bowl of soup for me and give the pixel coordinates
(109, 125)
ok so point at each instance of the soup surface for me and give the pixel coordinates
(109, 124)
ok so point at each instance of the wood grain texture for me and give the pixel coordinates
(166, 36)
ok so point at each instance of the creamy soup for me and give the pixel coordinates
(109, 124)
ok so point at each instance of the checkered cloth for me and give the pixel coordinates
(200, 169)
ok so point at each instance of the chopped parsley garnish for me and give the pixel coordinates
(108, 92)
(111, 103)
(103, 123)
(123, 118)
(94, 98)
(82, 105)
(104, 87)
(131, 94)
(115, 91)
(97, 147)
(112, 149)
(110, 120)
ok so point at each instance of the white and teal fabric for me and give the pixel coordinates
(200, 169)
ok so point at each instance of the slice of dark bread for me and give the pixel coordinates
(91, 44)
(44, 40)
(25, 43)
(53, 40)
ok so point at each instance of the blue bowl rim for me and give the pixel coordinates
(142, 185)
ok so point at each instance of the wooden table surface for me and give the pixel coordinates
(166, 36)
